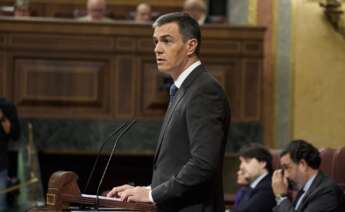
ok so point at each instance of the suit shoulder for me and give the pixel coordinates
(207, 82)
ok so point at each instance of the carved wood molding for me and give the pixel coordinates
(64, 69)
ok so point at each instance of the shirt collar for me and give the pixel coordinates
(308, 183)
(257, 180)
(178, 82)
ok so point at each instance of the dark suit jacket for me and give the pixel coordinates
(261, 198)
(187, 169)
(323, 196)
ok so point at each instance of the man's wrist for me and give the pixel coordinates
(280, 197)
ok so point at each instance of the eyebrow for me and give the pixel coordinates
(163, 36)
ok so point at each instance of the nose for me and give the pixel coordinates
(241, 167)
(158, 48)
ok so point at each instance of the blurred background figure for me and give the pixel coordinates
(22, 8)
(96, 10)
(255, 171)
(9, 130)
(143, 13)
(197, 9)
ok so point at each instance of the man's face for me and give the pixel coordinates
(194, 8)
(194, 11)
(96, 9)
(143, 14)
(251, 168)
(292, 171)
(171, 50)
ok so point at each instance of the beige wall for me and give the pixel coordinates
(318, 79)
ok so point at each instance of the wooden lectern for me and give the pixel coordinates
(63, 190)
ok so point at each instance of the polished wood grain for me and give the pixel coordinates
(66, 69)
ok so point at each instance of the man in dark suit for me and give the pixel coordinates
(300, 163)
(256, 166)
(187, 169)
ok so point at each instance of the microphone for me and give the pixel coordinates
(110, 156)
(104, 141)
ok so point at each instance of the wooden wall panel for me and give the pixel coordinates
(70, 69)
(221, 47)
(252, 92)
(2, 73)
(51, 84)
(126, 43)
(2, 64)
(228, 73)
(252, 48)
(125, 87)
(145, 45)
(2, 40)
(61, 42)
(152, 94)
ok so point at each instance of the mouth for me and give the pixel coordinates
(160, 60)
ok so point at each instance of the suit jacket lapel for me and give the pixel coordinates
(318, 179)
(167, 119)
(180, 93)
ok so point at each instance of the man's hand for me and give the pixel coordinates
(116, 191)
(136, 194)
(279, 183)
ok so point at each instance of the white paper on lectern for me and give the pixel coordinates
(100, 197)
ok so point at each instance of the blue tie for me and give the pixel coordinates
(299, 195)
(173, 90)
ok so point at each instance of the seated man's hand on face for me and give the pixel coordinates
(279, 183)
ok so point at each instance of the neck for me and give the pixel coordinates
(259, 174)
(190, 61)
(311, 173)
(308, 175)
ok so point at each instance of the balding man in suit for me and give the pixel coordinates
(300, 163)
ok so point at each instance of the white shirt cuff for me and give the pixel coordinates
(150, 194)
(281, 200)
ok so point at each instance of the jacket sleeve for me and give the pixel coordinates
(324, 200)
(260, 202)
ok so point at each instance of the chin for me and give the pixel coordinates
(163, 69)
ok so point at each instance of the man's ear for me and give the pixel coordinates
(263, 164)
(303, 165)
(191, 46)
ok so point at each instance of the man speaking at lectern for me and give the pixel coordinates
(188, 163)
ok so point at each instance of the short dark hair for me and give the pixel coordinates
(188, 27)
(258, 152)
(301, 149)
